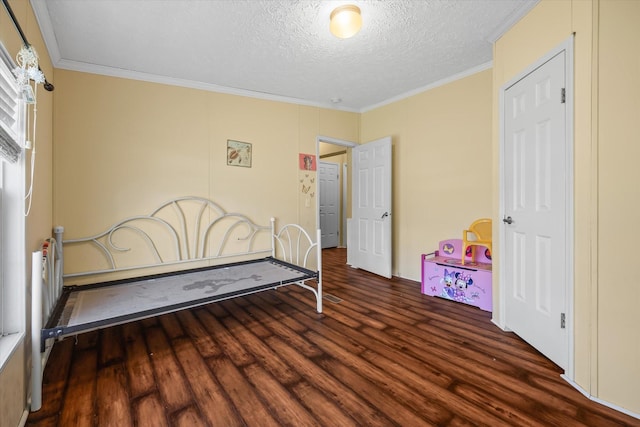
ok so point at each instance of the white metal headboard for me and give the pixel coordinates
(187, 246)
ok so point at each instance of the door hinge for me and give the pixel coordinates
(562, 321)
(563, 95)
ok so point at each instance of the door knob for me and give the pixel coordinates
(507, 220)
(384, 215)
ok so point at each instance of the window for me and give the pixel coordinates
(12, 229)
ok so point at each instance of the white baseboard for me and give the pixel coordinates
(350, 243)
(23, 420)
(597, 400)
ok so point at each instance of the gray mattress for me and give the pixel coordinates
(84, 308)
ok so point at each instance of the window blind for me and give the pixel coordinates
(10, 150)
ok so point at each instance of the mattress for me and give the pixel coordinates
(95, 306)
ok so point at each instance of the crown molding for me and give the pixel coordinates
(511, 20)
(442, 82)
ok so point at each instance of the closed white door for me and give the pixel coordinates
(535, 209)
(371, 207)
(329, 194)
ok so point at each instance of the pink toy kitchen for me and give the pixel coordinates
(444, 275)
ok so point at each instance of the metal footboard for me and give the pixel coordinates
(46, 288)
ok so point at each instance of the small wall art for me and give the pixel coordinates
(307, 162)
(239, 153)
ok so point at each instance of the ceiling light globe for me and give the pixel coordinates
(345, 21)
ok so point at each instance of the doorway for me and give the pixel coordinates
(337, 151)
(536, 193)
(368, 235)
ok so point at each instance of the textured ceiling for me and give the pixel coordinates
(279, 49)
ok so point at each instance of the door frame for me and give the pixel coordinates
(343, 143)
(343, 217)
(500, 320)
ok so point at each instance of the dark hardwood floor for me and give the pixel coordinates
(385, 355)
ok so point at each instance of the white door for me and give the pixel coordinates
(371, 207)
(535, 209)
(329, 194)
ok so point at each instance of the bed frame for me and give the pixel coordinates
(233, 257)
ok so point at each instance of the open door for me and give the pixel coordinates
(536, 194)
(371, 207)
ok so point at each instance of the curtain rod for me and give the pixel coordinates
(48, 86)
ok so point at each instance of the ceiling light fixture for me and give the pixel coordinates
(346, 21)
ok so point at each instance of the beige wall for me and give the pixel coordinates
(14, 377)
(123, 147)
(618, 313)
(607, 89)
(14, 386)
(442, 165)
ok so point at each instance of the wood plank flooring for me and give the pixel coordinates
(383, 356)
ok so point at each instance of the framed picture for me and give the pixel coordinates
(238, 153)
(307, 162)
